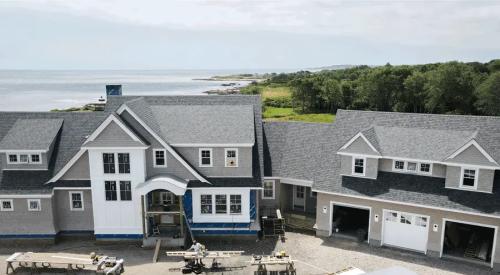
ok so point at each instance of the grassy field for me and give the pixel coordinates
(288, 114)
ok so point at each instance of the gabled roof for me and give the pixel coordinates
(31, 134)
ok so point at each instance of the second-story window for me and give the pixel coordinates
(13, 158)
(469, 178)
(160, 158)
(108, 160)
(110, 190)
(358, 166)
(399, 165)
(205, 157)
(123, 163)
(35, 158)
(231, 157)
(268, 192)
(425, 167)
(23, 158)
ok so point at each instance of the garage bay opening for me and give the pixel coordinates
(468, 242)
(350, 222)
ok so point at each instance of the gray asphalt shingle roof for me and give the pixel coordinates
(308, 151)
(31, 134)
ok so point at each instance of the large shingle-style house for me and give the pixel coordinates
(158, 166)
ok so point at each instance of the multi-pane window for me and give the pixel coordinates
(421, 221)
(110, 190)
(23, 158)
(392, 217)
(13, 158)
(220, 204)
(268, 192)
(231, 158)
(469, 178)
(76, 201)
(235, 204)
(205, 157)
(34, 205)
(123, 163)
(206, 204)
(108, 160)
(35, 158)
(411, 166)
(359, 166)
(300, 190)
(406, 219)
(125, 191)
(6, 205)
(425, 167)
(399, 165)
(160, 158)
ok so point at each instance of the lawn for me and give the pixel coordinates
(288, 114)
(275, 92)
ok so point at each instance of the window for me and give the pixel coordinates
(411, 166)
(76, 201)
(359, 166)
(231, 157)
(110, 190)
(425, 167)
(6, 205)
(123, 163)
(399, 165)
(268, 192)
(220, 204)
(34, 205)
(300, 190)
(392, 217)
(109, 163)
(405, 218)
(23, 158)
(206, 157)
(469, 178)
(12, 158)
(167, 198)
(35, 158)
(160, 159)
(421, 221)
(125, 191)
(235, 204)
(206, 204)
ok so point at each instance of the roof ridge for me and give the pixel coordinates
(422, 114)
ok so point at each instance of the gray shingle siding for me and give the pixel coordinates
(21, 221)
(113, 136)
(67, 220)
(359, 146)
(471, 155)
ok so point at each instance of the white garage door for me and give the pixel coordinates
(405, 230)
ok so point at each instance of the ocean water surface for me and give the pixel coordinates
(24, 90)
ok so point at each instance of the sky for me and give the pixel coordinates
(246, 34)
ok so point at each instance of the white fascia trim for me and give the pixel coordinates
(68, 165)
(13, 151)
(408, 204)
(355, 138)
(436, 162)
(305, 183)
(359, 155)
(115, 148)
(468, 189)
(224, 188)
(44, 196)
(72, 188)
(358, 176)
(162, 142)
(24, 169)
(470, 165)
(473, 142)
(212, 145)
(107, 121)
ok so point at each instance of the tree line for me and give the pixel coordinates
(443, 88)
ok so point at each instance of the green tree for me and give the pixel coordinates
(413, 97)
(331, 94)
(488, 95)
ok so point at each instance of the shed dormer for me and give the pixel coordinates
(29, 143)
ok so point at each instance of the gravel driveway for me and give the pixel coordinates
(315, 256)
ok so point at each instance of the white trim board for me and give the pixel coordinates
(106, 122)
(72, 188)
(305, 183)
(124, 107)
(17, 196)
(408, 204)
(495, 235)
(474, 143)
(358, 135)
(212, 145)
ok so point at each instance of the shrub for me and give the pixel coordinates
(278, 101)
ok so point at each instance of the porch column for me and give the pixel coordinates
(181, 215)
(143, 215)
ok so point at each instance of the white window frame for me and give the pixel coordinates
(71, 201)
(154, 158)
(241, 204)
(23, 162)
(225, 157)
(212, 202)
(354, 158)
(405, 167)
(7, 209)
(274, 190)
(39, 208)
(476, 177)
(211, 157)
(12, 162)
(39, 157)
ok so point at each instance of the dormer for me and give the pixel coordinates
(29, 144)
(359, 156)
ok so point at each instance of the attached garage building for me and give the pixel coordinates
(405, 230)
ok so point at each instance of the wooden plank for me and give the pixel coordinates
(157, 251)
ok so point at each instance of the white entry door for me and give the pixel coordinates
(299, 197)
(405, 230)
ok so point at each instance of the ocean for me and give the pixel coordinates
(25, 90)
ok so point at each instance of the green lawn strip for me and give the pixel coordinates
(288, 114)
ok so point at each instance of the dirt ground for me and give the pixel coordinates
(314, 256)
